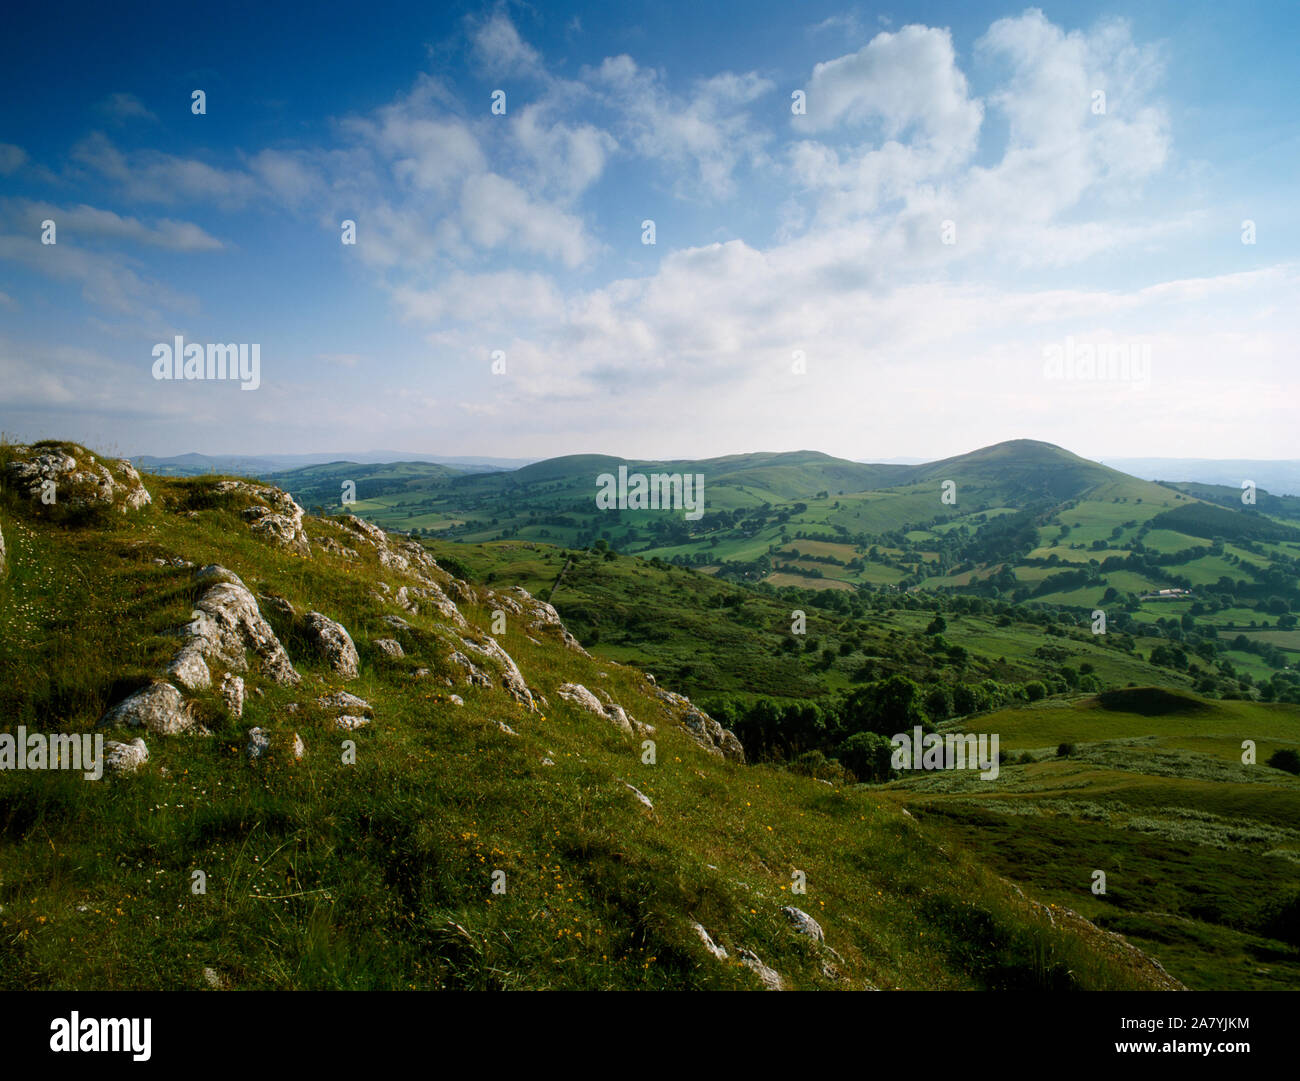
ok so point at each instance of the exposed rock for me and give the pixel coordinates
(419, 556)
(350, 724)
(455, 700)
(461, 592)
(345, 702)
(474, 675)
(125, 757)
(619, 716)
(506, 728)
(707, 732)
(541, 617)
(771, 979)
(259, 743)
(159, 708)
(713, 948)
(329, 544)
(421, 673)
(804, 924)
(580, 696)
(226, 621)
(334, 642)
(642, 798)
(190, 670)
(278, 605)
(439, 601)
(506, 603)
(389, 646)
(232, 693)
(273, 514)
(371, 534)
(77, 481)
(397, 623)
(511, 678)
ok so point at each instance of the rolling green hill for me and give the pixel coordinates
(1021, 522)
(335, 764)
(483, 790)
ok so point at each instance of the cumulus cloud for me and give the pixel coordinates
(499, 48)
(701, 137)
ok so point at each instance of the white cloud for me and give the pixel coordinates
(497, 211)
(150, 176)
(703, 136)
(107, 281)
(12, 158)
(122, 107)
(501, 50)
(567, 159)
(88, 221)
(905, 80)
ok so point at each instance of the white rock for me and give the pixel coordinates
(389, 646)
(159, 708)
(273, 514)
(511, 678)
(125, 757)
(641, 796)
(227, 621)
(259, 743)
(804, 924)
(189, 669)
(351, 724)
(771, 979)
(718, 952)
(333, 640)
(345, 702)
(232, 693)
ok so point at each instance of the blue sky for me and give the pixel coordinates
(800, 292)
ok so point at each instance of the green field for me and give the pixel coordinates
(1200, 851)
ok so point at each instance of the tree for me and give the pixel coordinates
(885, 707)
(1285, 759)
(867, 755)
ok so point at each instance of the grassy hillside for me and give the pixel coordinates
(323, 872)
(1200, 851)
